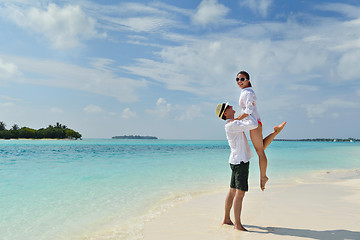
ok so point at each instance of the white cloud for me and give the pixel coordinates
(177, 112)
(288, 54)
(260, 7)
(161, 110)
(8, 70)
(93, 109)
(7, 104)
(56, 110)
(335, 115)
(130, 8)
(99, 79)
(142, 24)
(7, 101)
(127, 113)
(134, 17)
(191, 112)
(102, 64)
(208, 66)
(345, 9)
(171, 9)
(315, 111)
(350, 36)
(209, 12)
(64, 27)
(7, 98)
(296, 87)
(348, 67)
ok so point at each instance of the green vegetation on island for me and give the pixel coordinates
(134, 137)
(57, 131)
(322, 140)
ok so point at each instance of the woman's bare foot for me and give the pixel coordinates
(227, 222)
(240, 227)
(280, 127)
(263, 181)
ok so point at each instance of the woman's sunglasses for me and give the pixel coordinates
(241, 79)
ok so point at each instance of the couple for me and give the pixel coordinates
(241, 153)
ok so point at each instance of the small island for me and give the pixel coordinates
(57, 131)
(134, 137)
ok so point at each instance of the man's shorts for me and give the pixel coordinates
(239, 176)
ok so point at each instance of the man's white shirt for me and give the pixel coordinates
(240, 149)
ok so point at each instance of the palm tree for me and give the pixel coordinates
(15, 127)
(59, 125)
(2, 126)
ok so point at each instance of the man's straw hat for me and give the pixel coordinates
(220, 109)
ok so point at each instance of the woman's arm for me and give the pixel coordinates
(242, 116)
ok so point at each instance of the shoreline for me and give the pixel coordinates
(319, 205)
(35, 139)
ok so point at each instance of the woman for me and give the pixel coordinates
(247, 102)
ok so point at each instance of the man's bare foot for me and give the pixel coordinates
(263, 181)
(280, 127)
(227, 222)
(240, 227)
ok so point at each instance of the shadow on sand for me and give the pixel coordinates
(306, 233)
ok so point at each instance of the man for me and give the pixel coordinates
(239, 159)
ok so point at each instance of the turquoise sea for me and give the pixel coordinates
(107, 189)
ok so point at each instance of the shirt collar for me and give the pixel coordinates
(248, 88)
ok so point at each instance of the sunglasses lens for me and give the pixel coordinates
(240, 79)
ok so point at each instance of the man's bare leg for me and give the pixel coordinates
(228, 204)
(238, 199)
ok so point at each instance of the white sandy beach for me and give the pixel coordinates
(325, 205)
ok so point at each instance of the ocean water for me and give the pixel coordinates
(108, 189)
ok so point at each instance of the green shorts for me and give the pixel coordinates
(239, 176)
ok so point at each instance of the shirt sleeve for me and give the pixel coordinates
(249, 102)
(237, 126)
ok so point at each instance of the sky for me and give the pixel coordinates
(159, 68)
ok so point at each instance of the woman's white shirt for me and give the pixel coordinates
(247, 102)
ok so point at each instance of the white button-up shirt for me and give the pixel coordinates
(247, 102)
(240, 149)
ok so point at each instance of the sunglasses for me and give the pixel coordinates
(241, 79)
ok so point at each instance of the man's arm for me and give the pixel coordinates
(241, 126)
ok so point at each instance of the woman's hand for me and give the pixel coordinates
(242, 116)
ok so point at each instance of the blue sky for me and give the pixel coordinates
(107, 68)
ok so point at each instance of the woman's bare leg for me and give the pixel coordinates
(269, 138)
(260, 145)
(258, 142)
